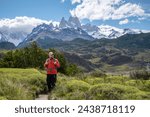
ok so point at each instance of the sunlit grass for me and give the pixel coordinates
(20, 83)
(27, 83)
(110, 87)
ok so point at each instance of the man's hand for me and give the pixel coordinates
(47, 61)
(55, 63)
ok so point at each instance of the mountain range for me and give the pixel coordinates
(125, 53)
(65, 31)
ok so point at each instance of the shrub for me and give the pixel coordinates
(116, 92)
(145, 75)
(74, 85)
(143, 85)
(94, 81)
(72, 69)
(69, 90)
(116, 79)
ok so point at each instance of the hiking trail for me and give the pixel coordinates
(42, 97)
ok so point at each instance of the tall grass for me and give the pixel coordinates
(110, 87)
(21, 84)
(28, 83)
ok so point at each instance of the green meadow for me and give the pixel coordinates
(27, 84)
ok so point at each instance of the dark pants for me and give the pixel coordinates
(51, 80)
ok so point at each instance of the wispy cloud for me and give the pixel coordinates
(107, 10)
(124, 22)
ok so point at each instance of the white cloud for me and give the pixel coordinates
(76, 1)
(124, 21)
(25, 24)
(128, 10)
(141, 18)
(106, 9)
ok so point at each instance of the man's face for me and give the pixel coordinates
(51, 55)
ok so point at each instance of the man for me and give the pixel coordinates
(51, 65)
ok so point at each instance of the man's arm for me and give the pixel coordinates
(56, 63)
(46, 63)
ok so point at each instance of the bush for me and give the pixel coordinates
(143, 85)
(144, 75)
(116, 79)
(107, 88)
(116, 92)
(74, 85)
(94, 81)
(68, 89)
(72, 70)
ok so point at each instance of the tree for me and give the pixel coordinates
(34, 57)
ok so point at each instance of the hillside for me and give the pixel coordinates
(125, 53)
(7, 46)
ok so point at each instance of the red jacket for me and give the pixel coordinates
(51, 65)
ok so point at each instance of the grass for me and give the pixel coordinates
(110, 87)
(4, 51)
(25, 84)
(21, 84)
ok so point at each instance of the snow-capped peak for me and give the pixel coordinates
(110, 32)
(73, 22)
(108, 28)
(63, 23)
(67, 27)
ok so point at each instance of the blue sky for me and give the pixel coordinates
(118, 13)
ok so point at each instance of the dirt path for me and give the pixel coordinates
(42, 97)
